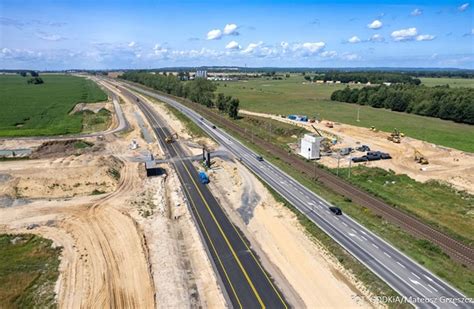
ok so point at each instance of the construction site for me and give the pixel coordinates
(95, 201)
(337, 144)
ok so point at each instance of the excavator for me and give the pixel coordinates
(325, 143)
(171, 138)
(420, 158)
(395, 136)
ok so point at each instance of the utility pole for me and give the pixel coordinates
(350, 163)
(358, 114)
(338, 159)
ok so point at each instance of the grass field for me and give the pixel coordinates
(452, 82)
(29, 110)
(291, 96)
(28, 271)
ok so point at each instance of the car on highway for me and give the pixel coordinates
(336, 210)
(214, 127)
(259, 158)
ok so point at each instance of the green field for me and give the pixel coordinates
(291, 96)
(452, 82)
(30, 110)
(28, 271)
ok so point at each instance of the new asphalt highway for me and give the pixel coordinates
(412, 281)
(243, 277)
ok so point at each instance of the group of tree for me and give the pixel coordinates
(228, 104)
(25, 73)
(35, 80)
(371, 77)
(441, 102)
(199, 90)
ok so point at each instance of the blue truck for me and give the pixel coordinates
(203, 177)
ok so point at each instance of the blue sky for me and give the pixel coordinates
(149, 34)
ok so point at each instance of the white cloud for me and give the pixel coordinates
(355, 39)
(308, 48)
(463, 7)
(328, 54)
(416, 12)
(233, 45)
(214, 34)
(252, 47)
(284, 45)
(132, 44)
(230, 29)
(376, 24)
(350, 57)
(425, 37)
(377, 38)
(49, 37)
(404, 34)
(159, 52)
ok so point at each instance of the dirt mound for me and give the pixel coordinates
(65, 177)
(52, 149)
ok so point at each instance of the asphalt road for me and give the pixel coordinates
(246, 282)
(416, 284)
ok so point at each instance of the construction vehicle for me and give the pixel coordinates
(395, 136)
(326, 144)
(171, 138)
(329, 124)
(420, 158)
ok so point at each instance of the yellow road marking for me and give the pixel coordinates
(206, 231)
(222, 232)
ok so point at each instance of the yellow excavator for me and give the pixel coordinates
(395, 136)
(171, 138)
(420, 158)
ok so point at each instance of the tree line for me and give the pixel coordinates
(441, 101)
(199, 90)
(372, 77)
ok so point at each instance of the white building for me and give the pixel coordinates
(309, 146)
(201, 73)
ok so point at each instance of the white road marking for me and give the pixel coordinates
(415, 275)
(374, 245)
(345, 224)
(387, 254)
(353, 235)
(401, 264)
(432, 287)
(363, 238)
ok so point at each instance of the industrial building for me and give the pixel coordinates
(201, 74)
(310, 146)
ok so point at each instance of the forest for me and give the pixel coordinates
(441, 101)
(372, 77)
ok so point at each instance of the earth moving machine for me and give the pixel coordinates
(395, 136)
(329, 124)
(325, 143)
(171, 138)
(420, 158)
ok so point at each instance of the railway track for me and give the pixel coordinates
(454, 248)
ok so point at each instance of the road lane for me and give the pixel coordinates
(246, 282)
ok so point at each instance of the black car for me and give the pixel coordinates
(359, 159)
(336, 210)
(213, 127)
(259, 158)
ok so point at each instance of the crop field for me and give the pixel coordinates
(30, 110)
(28, 271)
(452, 82)
(292, 96)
